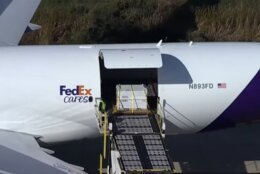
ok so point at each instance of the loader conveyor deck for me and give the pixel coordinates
(140, 144)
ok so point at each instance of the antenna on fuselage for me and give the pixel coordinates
(191, 43)
(159, 44)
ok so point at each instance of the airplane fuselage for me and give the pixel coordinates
(50, 91)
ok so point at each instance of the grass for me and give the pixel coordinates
(62, 21)
(121, 21)
(230, 20)
(103, 21)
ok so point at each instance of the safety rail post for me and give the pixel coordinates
(160, 113)
(98, 113)
(100, 164)
(118, 97)
(132, 102)
(103, 156)
(105, 136)
(146, 96)
(148, 106)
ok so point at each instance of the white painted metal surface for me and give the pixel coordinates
(131, 58)
(22, 149)
(14, 19)
(190, 110)
(31, 77)
(131, 97)
(115, 162)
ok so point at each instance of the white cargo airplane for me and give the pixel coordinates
(48, 92)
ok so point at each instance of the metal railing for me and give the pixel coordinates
(101, 117)
(178, 116)
(160, 115)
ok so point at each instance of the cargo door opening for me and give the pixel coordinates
(130, 68)
(111, 80)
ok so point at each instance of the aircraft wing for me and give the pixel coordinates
(15, 16)
(20, 153)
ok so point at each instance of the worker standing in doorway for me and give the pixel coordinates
(102, 106)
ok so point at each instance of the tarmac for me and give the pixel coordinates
(233, 150)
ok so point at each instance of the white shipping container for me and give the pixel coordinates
(131, 97)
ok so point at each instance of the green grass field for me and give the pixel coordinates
(123, 21)
(231, 20)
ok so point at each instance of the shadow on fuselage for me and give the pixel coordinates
(173, 71)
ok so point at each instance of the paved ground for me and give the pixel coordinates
(235, 150)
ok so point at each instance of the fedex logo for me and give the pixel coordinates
(80, 94)
(79, 90)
